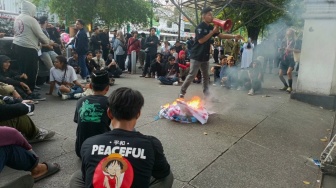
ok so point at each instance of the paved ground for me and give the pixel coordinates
(251, 141)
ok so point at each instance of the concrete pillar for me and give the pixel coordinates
(317, 75)
(133, 61)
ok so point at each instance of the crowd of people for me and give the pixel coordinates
(131, 159)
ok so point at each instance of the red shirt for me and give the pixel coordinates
(133, 45)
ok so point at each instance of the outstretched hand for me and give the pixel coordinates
(239, 37)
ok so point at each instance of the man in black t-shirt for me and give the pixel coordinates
(123, 157)
(91, 111)
(199, 57)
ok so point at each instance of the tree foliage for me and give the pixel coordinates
(256, 17)
(109, 11)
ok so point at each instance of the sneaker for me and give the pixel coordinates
(65, 96)
(180, 80)
(181, 96)
(37, 88)
(239, 88)
(251, 92)
(112, 81)
(148, 76)
(37, 98)
(284, 88)
(42, 135)
(142, 76)
(30, 114)
(176, 83)
(77, 95)
(289, 90)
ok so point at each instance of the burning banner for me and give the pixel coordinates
(185, 111)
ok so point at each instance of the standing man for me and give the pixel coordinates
(151, 43)
(56, 37)
(27, 35)
(199, 58)
(123, 157)
(95, 42)
(142, 54)
(81, 46)
(105, 43)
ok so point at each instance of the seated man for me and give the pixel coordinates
(230, 77)
(91, 111)
(73, 61)
(99, 60)
(184, 65)
(16, 153)
(17, 80)
(112, 67)
(123, 157)
(64, 79)
(218, 69)
(13, 113)
(90, 64)
(156, 67)
(255, 77)
(171, 71)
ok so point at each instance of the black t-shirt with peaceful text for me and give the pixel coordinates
(91, 118)
(122, 158)
(201, 52)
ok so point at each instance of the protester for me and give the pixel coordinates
(105, 43)
(13, 113)
(63, 77)
(133, 45)
(171, 73)
(91, 111)
(219, 70)
(90, 64)
(255, 78)
(200, 53)
(184, 65)
(81, 46)
(28, 34)
(119, 47)
(56, 37)
(151, 44)
(73, 61)
(141, 164)
(17, 153)
(113, 68)
(142, 54)
(230, 76)
(99, 60)
(95, 41)
(157, 67)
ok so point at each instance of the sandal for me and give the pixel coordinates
(52, 169)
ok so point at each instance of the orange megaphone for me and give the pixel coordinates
(224, 24)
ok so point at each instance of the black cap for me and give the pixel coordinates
(4, 58)
(100, 77)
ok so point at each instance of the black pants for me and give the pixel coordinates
(17, 158)
(28, 62)
(149, 58)
(105, 53)
(120, 59)
(215, 56)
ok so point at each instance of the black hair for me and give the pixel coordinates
(143, 34)
(43, 19)
(63, 60)
(125, 103)
(171, 58)
(249, 46)
(73, 52)
(110, 162)
(89, 52)
(98, 51)
(99, 80)
(152, 28)
(206, 10)
(99, 87)
(80, 21)
(172, 48)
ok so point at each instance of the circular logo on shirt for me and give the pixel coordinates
(18, 27)
(113, 171)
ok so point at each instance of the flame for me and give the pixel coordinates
(195, 102)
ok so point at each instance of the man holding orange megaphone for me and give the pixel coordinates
(200, 52)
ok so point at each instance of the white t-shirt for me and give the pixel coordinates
(57, 75)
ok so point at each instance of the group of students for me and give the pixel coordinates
(113, 153)
(228, 75)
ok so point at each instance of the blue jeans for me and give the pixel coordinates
(167, 81)
(82, 64)
(74, 90)
(17, 158)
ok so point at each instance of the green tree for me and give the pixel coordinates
(109, 11)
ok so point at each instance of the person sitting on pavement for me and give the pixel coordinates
(13, 113)
(171, 71)
(17, 153)
(73, 61)
(90, 64)
(9, 90)
(91, 111)
(112, 67)
(17, 80)
(230, 77)
(255, 77)
(156, 67)
(64, 78)
(99, 60)
(138, 160)
(184, 65)
(218, 69)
